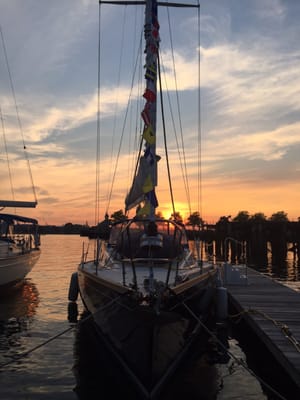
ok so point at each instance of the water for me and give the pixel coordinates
(285, 270)
(72, 366)
(34, 314)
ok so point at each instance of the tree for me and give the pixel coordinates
(159, 215)
(118, 216)
(258, 217)
(177, 217)
(242, 216)
(195, 220)
(224, 219)
(279, 216)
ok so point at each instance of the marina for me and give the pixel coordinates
(136, 112)
(37, 313)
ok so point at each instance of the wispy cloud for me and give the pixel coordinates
(250, 91)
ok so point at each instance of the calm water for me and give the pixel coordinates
(71, 366)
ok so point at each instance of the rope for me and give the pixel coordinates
(199, 187)
(116, 104)
(7, 158)
(283, 327)
(26, 353)
(17, 113)
(230, 368)
(173, 123)
(183, 165)
(239, 361)
(97, 199)
(52, 338)
(165, 137)
(122, 136)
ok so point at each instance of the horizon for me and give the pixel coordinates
(250, 122)
(206, 222)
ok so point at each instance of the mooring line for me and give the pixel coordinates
(239, 361)
(26, 353)
(280, 325)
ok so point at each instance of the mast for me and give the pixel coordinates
(151, 32)
(145, 179)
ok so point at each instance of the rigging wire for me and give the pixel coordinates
(117, 100)
(17, 113)
(122, 132)
(199, 186)
(165, 137)
(6, 152)
(137, 60)
(136, 147)
(185, 175)
(181, 162)
(174, 126)
(181, 153)
(97, 200)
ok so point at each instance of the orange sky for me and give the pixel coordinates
(250, 119)
(76, 199)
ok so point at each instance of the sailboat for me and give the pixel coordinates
(19, 238)
(19, 247)
(151, 296)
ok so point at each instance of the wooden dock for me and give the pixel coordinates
(274, 316)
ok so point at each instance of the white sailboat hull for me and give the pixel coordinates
(14, 268)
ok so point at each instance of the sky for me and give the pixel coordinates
(250, 101)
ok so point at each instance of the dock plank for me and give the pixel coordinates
(272, 303)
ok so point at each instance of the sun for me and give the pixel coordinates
(167, 211)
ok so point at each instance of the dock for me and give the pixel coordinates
(272, 311)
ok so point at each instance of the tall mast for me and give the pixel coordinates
(149, 113)
(145, 179)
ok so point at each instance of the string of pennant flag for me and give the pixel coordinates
(148, 116)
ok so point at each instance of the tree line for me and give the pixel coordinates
(194, 221)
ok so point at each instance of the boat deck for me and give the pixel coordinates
(274, 316)
(160, 273)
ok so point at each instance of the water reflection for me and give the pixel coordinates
(282, 263)
(95, 371)
(20, 303)
(17, 310)
(284, 267)
(203, 377)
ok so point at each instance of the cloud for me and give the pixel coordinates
(266, 145)
(270, 9)
(48, 200)
(250, 87)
